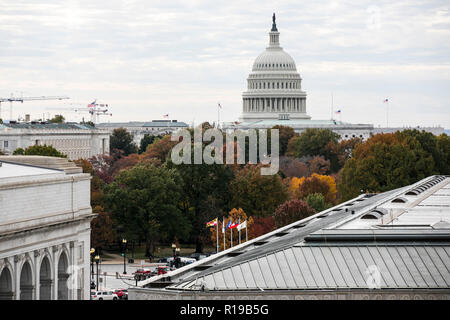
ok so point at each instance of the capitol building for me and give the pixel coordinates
(274, 96)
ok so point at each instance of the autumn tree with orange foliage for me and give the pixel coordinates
(300, 188)
(160, 149)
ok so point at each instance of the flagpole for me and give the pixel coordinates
(239, 221)
(217, 236)
(332, 107)
(387, 114)
(224, 233)
(231, 229)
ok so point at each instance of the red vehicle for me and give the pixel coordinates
(122, 294)
(163, 270)
(143, 271)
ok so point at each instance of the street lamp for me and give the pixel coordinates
(97, 259)
(177, 255)
(124, 243)
(92, 262)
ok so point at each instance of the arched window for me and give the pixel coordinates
(6, 292)
(63, 275)
(26, 282)
(45, 280)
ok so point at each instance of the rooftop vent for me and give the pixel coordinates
(202, 267)
(399, 200)
(300, 226)
(371, 215)
(260, 243)
(282, 233)
(234, 253)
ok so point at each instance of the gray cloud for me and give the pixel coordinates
(148, 58)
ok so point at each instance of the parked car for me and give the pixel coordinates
(103, 295)
(122, 294)
(143, 271)
(198, 256)
(163, 270)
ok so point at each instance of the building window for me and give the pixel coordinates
(5, 144)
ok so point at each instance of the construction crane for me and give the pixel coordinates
(22, 99)
(94, 109)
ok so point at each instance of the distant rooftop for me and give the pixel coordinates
(41, 125)
(306, 123)
(153, 123)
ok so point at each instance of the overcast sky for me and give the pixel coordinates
(149, 58)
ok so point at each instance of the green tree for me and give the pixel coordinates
(259, 195)
(144, 202)
(443, 144)
(314, 142)
(19, 151)
(57, 119)
(317, 202)
(39, 150)
(122, 140)
(387, 161)
(147, 140)
(205, 196)
(285, 135)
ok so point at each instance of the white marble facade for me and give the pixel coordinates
(45, 219)
(76, 143)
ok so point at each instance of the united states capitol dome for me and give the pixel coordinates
(274, 87)
(273, 59)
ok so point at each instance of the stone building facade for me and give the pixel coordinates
(45, 216)
(75, 140)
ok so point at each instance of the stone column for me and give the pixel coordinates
(37, 278)
(16, 277)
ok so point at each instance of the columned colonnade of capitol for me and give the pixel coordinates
(274, 104)
(39, 275)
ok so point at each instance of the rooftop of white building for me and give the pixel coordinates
(10, 170)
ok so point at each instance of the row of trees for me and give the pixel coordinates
(140, 194)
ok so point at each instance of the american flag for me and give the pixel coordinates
(91, 105)
(166, 115)
(337, 112)
(386, 100)
(219, 105)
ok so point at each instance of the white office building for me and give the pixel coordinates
(73, 139)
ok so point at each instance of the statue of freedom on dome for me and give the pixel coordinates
(274, 25)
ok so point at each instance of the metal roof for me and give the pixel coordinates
(336, 249)
(334, 267)
(29, 125)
